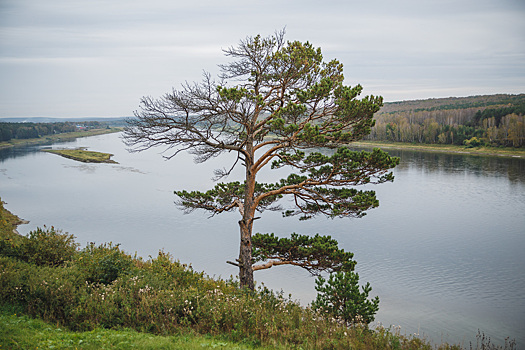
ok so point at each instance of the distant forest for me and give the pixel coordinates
(492, 120)
(9, 131)
(495, 120)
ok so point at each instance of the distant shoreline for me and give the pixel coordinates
(453, 149)
(443, 148)
(58, 137)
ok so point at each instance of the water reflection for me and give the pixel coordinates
(19, 151)
(511, 167)
(83, 167)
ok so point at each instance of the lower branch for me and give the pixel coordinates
(271, 263)
(315, 254)
(233, 263)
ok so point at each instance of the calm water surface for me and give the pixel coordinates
(445, 251)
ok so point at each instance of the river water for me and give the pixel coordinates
(445, 250)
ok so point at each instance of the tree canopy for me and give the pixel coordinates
(275, 104)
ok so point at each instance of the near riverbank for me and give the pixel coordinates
(101, 292)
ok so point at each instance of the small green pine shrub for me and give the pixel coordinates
(43, 247)
(104, 263)
(340, 298)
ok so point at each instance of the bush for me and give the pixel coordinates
(473, 142)
(10, 245)
(104, 263)
(340, 297)
(43, 291)
(43, 247)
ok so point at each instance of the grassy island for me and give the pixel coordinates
(83, 155)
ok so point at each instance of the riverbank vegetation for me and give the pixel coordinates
(15, 134)
(55, 295)
(28, 130)
(480, 150)
(83, 155)
(22, 332)
(493, 120)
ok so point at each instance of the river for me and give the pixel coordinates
(445, 250)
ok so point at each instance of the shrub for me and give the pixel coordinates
(44, 291)
(473, 142)
(10, 244)
(340, 297)
(171, 270)
(46, 247)
(104, 263)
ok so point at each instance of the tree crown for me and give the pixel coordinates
(271, 105)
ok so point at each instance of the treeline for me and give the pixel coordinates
(9, 131)
(497, 120)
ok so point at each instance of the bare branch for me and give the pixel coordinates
(272, 263)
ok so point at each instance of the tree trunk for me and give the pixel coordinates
(245, 255)
(246, 223)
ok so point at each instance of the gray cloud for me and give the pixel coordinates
(97, 58)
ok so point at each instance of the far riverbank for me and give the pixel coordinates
(482, 151)
(48, 139)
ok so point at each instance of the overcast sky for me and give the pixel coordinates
(97, 58)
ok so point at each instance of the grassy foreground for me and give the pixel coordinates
(55, 296)
(22, 332)
(82, 155)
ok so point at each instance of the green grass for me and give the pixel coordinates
(82, 155)
(22, 332)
